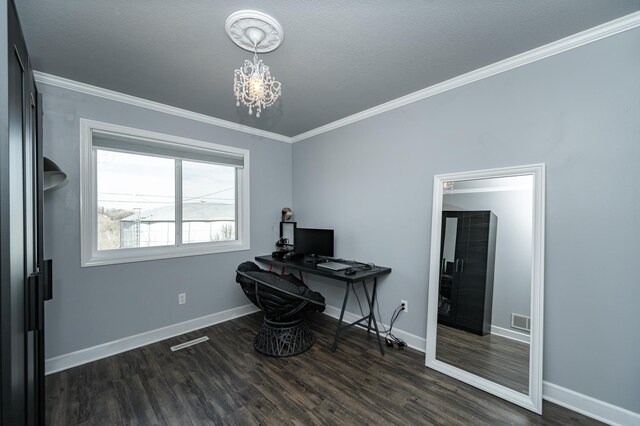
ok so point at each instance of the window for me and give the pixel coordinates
(151, 196)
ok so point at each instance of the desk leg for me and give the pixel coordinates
(373, 300)
(344, 305)
(372, 316)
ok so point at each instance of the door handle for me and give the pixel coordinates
(461, 265)
(457, 265)
(40, 298)
(32, 302)
(35, 296)
(47, 276)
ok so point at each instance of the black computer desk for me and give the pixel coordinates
(360, 276)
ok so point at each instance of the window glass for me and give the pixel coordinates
(146, 195)
(135, 200)
(208, 202)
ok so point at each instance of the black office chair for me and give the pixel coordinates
(285, 301)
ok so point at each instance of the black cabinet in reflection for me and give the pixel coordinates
(467, 259)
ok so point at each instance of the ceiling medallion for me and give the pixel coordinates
(253, 85)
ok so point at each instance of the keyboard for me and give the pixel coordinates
(334, 266)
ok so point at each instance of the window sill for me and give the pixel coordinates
(113, 257)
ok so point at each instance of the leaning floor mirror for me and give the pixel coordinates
(484, 320)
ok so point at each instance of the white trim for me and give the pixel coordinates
(76, 86)
(572, 400)
(413, 341)
(510, 334)
(591, 35)
(491, 189)
(489, 386)
(91, 256)
(533, 400)
(241, 20)
(94, 353)
(594, 408)
(567, 398)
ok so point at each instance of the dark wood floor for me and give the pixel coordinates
(223, 381)
(501, 360)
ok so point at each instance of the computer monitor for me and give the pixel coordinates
(318, 242)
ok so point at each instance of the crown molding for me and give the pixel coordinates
(600, 32)
(591, 35)
(53, 80)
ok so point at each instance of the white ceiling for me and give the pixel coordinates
(338, 57)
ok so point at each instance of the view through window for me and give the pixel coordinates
(208, 202)
(136, 201)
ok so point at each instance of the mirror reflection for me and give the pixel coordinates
(484, 297)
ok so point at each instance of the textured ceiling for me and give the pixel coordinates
(338, 57)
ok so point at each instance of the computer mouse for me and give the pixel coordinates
(350, 271)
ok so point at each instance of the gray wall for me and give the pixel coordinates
(100, 304)
(4, 151)
(512, 275)
(578, 112)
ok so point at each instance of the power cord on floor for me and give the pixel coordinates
(390, 339)
(382, 329)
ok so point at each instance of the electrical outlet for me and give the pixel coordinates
(405, 305)
(182, 298)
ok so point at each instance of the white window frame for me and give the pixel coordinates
(91, 256)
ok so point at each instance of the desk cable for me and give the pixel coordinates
(389, 338)
(358, 266)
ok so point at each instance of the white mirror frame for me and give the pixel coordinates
(532, 401)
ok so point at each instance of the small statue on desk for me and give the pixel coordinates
(287, 214)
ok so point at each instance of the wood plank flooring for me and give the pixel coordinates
(501, 360)
(224, 381)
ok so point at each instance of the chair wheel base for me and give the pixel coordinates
(281, 339)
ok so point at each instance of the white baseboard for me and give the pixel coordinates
(580, 403)
(599, 410)
(567, 398)
(413, 341)
(510, 334)
(94, 353)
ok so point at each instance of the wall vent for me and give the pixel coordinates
(521, 322)
(189, 343)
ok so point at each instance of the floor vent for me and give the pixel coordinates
(521, 322)
(189, 343)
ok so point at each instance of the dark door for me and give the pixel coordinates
(472, 270)
(451, 232)
(21, 249)
(466, 271)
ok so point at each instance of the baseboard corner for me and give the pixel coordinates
(589, 406)
(104, 350)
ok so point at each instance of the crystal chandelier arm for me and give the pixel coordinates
(253, 85)
(255, 53)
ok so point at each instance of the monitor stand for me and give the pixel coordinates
(314, 258)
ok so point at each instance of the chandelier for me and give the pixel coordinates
(253, 85)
